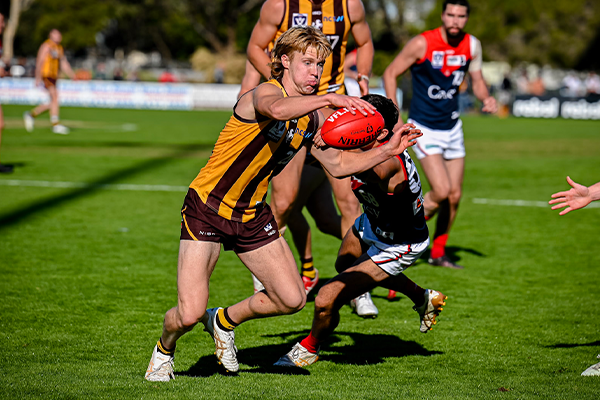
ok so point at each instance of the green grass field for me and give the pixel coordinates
(89, 268)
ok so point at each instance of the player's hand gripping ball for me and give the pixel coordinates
(344, 130)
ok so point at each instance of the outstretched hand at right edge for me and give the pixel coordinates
(575, 198)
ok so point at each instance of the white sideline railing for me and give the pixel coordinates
(123, 94)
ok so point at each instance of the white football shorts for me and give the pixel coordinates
(392, 258)
(450, 144)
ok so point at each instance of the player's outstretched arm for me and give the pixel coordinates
(269, 101)
(575, 198)
(340, 163)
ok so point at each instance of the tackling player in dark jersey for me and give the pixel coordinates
(385, 240)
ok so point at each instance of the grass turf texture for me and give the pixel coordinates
(88, 273)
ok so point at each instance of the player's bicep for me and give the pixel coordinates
(413, 51)
(43, 52)
(268, 23)
(476, 55)
(360, 28)
(265, 96)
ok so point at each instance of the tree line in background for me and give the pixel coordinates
(560, 33)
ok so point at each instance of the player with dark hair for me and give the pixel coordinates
(226, 202)
(297, 186)
(50, 62)
(386, 239)
(439, 60)
(5, 169)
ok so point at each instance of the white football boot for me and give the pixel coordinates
(258, 286)
(434, 301)
(224, 341)
(60, 129)
(160, 368)
(364, 307)
(297, 357)
(594, 370)
(29, 121)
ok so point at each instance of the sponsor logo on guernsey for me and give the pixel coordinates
(276, 131)
(437, 93)
(336, 18)
(417, 204)
(437, 59)
(456, 61)
(269, 229)
(299, 19)
(317, 12)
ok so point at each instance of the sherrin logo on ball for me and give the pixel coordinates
(344, 130)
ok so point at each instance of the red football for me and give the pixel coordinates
(344, 130)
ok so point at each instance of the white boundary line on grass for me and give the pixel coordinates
(169, 188)
(521, 203)
(78, 185)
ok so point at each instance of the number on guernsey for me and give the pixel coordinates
(333, 39)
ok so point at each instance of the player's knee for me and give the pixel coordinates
(282, 205)
(324, 302)
(291, 303)
(188, 319)
(440, 193)
(455, 196)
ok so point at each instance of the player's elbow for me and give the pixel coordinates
(389, 75)
(338, 173)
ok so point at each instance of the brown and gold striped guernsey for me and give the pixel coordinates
(331, 16)
(248, 153)
(51, 64)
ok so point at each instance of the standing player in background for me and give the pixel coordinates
(336, 19)
(50, 61)
(5, 169)
(577, 197)
(438, 61)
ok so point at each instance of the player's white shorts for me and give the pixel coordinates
(450, 144)
(392, 258)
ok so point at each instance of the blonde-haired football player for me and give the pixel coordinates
(226, 202)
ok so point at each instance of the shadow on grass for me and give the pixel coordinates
(569, 345)
(451, 251)
(47, 203)
(365, 349)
